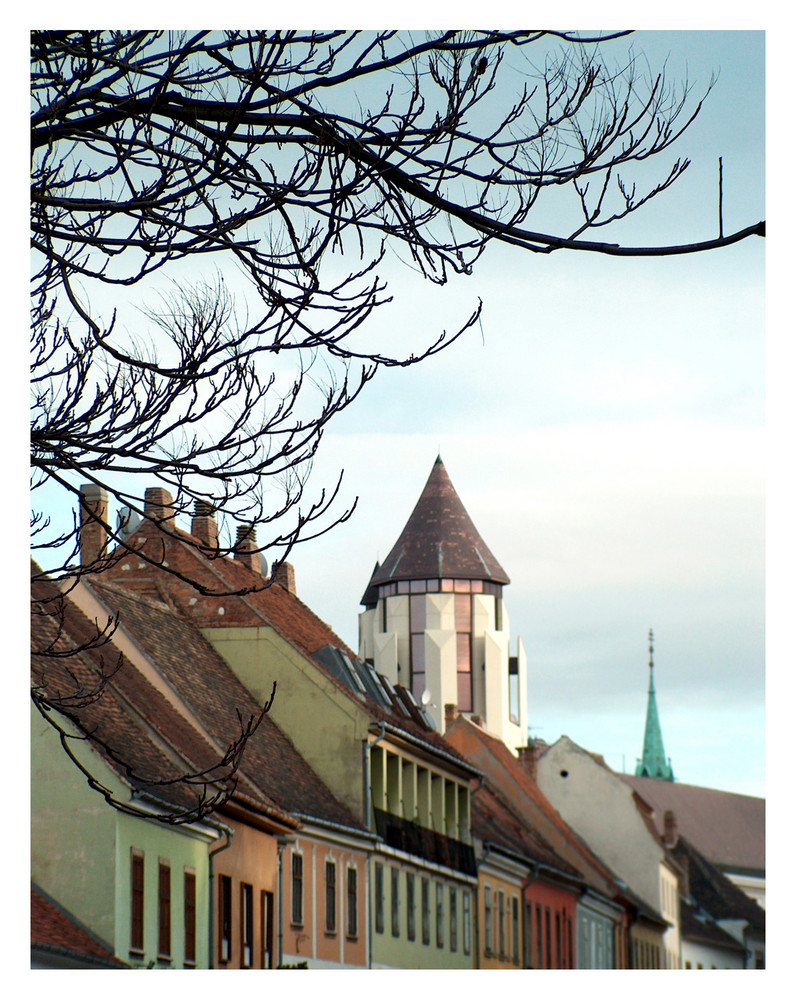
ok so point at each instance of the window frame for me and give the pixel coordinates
(164, 910)
(246, 925)
(352, 902)
(378, 890)
(296, 889)
(330, 895)
(395, 901)
(189, 916)
(224, 919)
(439, 908)
(137, 901)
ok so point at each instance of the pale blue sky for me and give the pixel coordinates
(604, 428)
(605, 432)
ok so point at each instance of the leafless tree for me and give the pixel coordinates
(210, 213)
(78, 682)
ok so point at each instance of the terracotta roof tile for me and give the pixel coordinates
(210, 687)
(273, 606)
(727, 828)
(55, 930)
(494, 822)
(439, 540)
(713, 892)
(509, 777)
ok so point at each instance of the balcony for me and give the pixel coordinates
(412, 838)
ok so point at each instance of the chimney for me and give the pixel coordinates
(246, 547)
(451, 712)
(158, 505)
(670, 835)
(285, 575)
(203, 525)
(529, 758)
(93, 535)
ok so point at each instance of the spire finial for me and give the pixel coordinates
(653, 763)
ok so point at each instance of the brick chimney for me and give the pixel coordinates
(529, 758)
(451, 713)
(246, 547)
(670, 835)
(203, 525)
(286, 576)
(93, 535)
(158, 505)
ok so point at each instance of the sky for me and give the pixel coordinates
(604, 428)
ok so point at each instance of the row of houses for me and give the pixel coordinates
(175, 826)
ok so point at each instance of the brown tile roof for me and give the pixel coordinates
(727, 828)
(439, 540)
(702, 930)
(54, 930)
(115, 716)
(494, 822)
(506, 774)
(713, 892)
(204, 681)
(273, 606)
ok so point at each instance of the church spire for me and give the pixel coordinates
(653, 763)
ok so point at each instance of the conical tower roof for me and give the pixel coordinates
(653, 763)
(439, 540)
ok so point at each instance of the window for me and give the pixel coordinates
(137, 902)
(466, 923)
(417, 625)
(225, 917)
(515, 930)
(189, 916)
(463, 620)
(379, 890)
(267, 923)
(164, 910)
(425, 905)
(410, 906)
(539, 964)
(351, 887)
(395, 901)
(246, 926)
(488, 919)
(297, 890)
(453, 916)
(331, 897)
(558, 940)
(548, 939)
(440, 892)
(501, 923)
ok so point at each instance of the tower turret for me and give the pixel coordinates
(653, 763)
(435, 620)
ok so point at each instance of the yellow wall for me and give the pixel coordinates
(323, 723)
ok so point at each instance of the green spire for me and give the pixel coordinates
(653, 763)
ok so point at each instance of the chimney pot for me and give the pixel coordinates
(246, 547)
(158, 505)
(286, 576)
(203, 525)
(528, 756)
(669, 828)
(93, 536)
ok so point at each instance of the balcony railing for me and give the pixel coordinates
(405, 835)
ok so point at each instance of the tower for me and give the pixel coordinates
(435, 620)
(653, 763)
